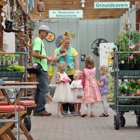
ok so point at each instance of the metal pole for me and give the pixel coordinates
(25, 94)
(27, 11)
(17, 118)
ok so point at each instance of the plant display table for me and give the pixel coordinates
(19, 116)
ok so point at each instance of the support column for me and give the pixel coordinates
(138, 17)
(1, 30)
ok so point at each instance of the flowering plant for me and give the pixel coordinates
(131, 88)
(128, 41)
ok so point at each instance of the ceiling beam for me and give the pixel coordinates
(89, 11)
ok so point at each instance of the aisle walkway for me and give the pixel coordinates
(77, 128)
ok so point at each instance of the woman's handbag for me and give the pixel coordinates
(34, 68)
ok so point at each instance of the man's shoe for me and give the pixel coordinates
(45, 113)
(35, 114)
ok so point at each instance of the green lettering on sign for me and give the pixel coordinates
(111, 5)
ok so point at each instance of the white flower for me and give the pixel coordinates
(2, 14)
(122, 62)
(4, 9)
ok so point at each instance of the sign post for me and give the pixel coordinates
(65, 13)
(112, 5)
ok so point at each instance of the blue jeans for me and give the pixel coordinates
(41, 91)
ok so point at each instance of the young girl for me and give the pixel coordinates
(63, 91)
(91, 90)
(103, 88)
(77, 91)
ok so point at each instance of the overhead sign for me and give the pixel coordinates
(111, 5)
(65, 13)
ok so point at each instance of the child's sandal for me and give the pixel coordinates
(84, 114)
(104, 115)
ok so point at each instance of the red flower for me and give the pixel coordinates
(139, 44)
(138, 92)
(133, 95)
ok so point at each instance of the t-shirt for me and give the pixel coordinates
(71, 54)
(37, 47)
(104, 88)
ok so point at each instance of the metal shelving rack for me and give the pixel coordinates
(119, 119)
(5, 76)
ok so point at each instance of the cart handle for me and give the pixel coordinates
(135, 52)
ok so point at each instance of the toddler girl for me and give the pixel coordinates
(77, 91)
(103, 83)
(63, 91)
(90, 86)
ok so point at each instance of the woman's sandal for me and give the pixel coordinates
(104, 115)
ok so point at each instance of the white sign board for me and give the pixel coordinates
(111, 5)
(65, 13)
(105, 52)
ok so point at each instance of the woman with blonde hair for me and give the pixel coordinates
(66, 53)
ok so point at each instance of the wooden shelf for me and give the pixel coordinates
(15, 31)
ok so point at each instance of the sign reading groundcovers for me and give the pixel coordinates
(111, 5)
(65, 13)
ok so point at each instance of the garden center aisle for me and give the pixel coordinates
(77, 128)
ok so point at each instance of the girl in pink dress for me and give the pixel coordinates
(90, 86)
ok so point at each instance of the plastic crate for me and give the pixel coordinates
(11, 74)
(3, 67)
(127, 73)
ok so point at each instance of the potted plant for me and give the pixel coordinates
(131, 88)
(122, 43)
(128, 41)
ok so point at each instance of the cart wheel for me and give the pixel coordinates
(27, 123)
(116, 122)
(138, 120)
(122, 121)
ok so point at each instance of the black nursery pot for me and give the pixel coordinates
(137, 66)
(124, 66)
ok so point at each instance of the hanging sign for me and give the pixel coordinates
(65, 13)
(112, 5)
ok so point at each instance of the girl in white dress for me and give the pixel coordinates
(63, 91)
(77, 91)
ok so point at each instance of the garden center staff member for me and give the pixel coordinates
(70, 57)
(39, 56)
